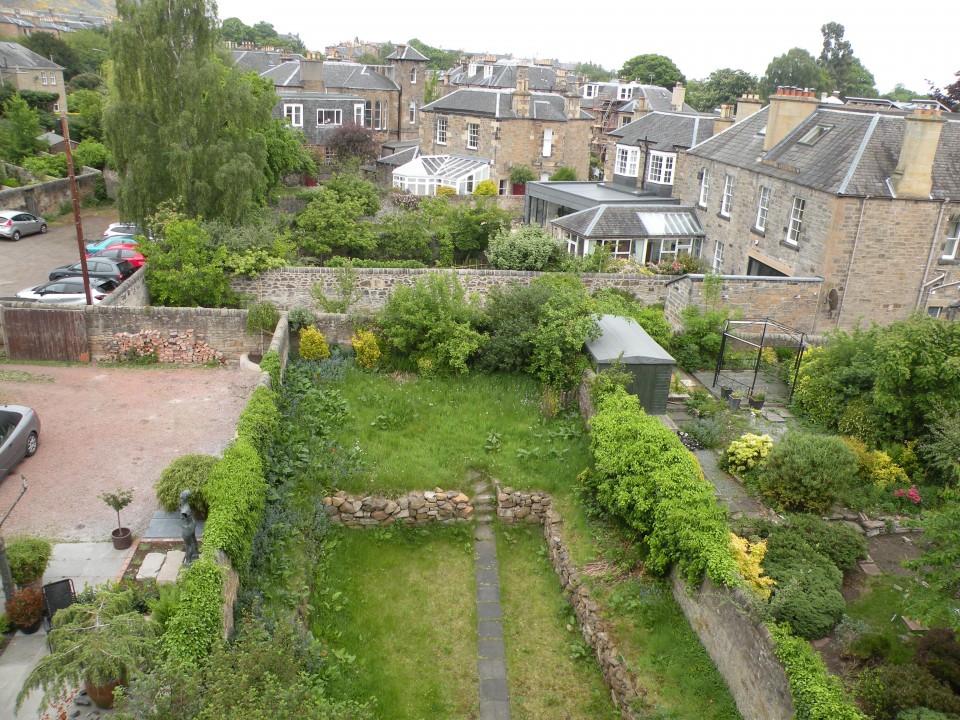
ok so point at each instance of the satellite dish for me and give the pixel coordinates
(833, 299)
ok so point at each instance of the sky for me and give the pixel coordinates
(896, 41)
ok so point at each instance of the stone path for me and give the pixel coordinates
(491, 663)
(729, 491)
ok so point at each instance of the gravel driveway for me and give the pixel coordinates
(109, 427)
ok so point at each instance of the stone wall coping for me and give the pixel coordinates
(468, 272)
(699, 277)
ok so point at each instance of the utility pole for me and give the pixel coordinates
(5, 575)
(75, 197)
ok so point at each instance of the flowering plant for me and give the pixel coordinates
(25, 607)
(912, 494)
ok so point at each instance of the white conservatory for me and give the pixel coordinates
(423, 175)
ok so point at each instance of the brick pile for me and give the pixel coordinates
(170, 346)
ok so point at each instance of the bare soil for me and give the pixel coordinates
(107, 427)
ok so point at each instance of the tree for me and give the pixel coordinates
(653, 69)
(593, 71)
(53, 48)
(939, 565)
(437, 59)
(901, 94)
(286, 153)
(722, 86)
(19, 129)
(795, 68)
(950, 95)
(352, 142)
(88, 105)
(235, 30)
(527, 248)
(368, 59)
(90, 153)
(178, 123)
(91, 47)
(85, 81)
(331, 225)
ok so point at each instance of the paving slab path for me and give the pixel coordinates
(491, 661)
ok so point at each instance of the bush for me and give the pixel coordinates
(889, 690)
(706, 431)
(510, 320)
(698, 344)
(842, 545)
(445, 191)
(939, 652)
(187, 472)
(522, 174)
(810, 602)
(28, 558)
(259, 419)
(44, 165)
(803, 470)
(486, 187)
(748, 557)
(300, 317)
(527, 248)
(262, 317)
(90, 153)
(650, 317)
(747, 453)
(563, 174)
(875, 467)
(196, 625)
(313, 344)
(270, 364)
(366, 349)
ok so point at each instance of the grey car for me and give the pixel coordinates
(19, 435)
(14, 224)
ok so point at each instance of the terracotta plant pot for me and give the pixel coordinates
(122, 538)
(102, 695)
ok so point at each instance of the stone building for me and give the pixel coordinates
(869, 201)
(510, 127)
(26, 70)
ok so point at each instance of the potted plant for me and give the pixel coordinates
(25, 610)
(520, 175)
(725, 391)
(28, 560)
(122, 538)
(757, 399)
(734, 400)
(99, 643)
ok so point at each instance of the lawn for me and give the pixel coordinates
(420, 433)
(402, 602)
(552, 672)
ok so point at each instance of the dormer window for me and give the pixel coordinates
(625, 93)
(488, 71)
(814, 134)
(590, 91)
(472, 69)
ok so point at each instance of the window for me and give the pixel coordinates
(953, 239)
(934, 312)
(329, 117)
(590, 91)
(472, 69)
(625, 93)
(441, 133)
(718, 257)
(378, 116)
(619, 249)
(814, 135)
(329, 154)
(796, 221)
(473, 135)
(43, 77)
(368, 114)
(625, 120)
(413, 76)
(504, 187)
(358, 114)
(704, 187)
(547, 142)
(661, 168)
(627, 161)
(763, 207)
(670, 249)
(488, 71)
(56, 107)
(412, 111)
(294, 113)
(53, 78)
(726, 202)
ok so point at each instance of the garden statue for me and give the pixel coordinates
(188, 527)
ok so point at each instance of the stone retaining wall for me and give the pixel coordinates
(48, 197)
(416, 508)
(517, 507)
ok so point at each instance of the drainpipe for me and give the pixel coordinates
(853, 255)
(933, 248)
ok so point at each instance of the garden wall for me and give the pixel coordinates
(132, 292)
(416, 508)
(48, 197)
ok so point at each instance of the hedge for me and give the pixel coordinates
(197, 622)
(645, 477)
(259, 419)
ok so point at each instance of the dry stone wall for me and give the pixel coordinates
(517, 507)
(416, 508)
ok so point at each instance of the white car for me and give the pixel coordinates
(122, 228)
(68, 291)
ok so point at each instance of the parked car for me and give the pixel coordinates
(14, 224)
(19, 435)
(121, 228)
(96, 247)
(69, 291)
(102, 268)
(122, 252)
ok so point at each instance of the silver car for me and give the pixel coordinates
(19, 435)
(14, 224)
(68, 291)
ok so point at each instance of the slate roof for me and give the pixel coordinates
(16, 55)
(50, 138)
(498, 104)
(658, 98)
(263, 61)
(504, 76)
(666, 131)
(354, 76)
(856, 156)
(336, 75)
(633, 221)
(409, 53)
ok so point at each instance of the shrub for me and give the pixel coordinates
(527, 248)
(90, 153)
(25, 607)
(808, 601)
(510, 320)
(706, 431)
(842, 545)
(28, 558)
(803, 470)
(270, 364)
(521, 174)
(747, 453)
(698, 344)
(563, 174)
(486, 187)
(313, 344)
(875, 467)
(300, 317)
(353, 188)
(939, 652)
(748, 557)
(445, 191)
(888, 690)
(366, 349)
(187, 472)
(650, 317)
(43, 165)
(4, 624)
(259, 419)
(262, 317)
(195, 627)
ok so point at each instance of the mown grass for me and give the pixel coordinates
(552, 673)
(422, 433)
(402, 602)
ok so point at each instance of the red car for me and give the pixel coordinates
(123, 252)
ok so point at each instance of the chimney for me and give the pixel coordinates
(679, 93)
(521, 96)
(561, 81)
(400, 50)
(640, 108)
(725, 120)
(571, 102)
(747, 105)
(789, 107)
(311, 73)
(913, 177)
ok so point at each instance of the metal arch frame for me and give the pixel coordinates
(729, 330)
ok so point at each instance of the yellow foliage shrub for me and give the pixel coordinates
(876, 466)
(747, 453)
(748, 557)
(313, 344)
(366, 349)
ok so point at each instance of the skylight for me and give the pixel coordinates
(814, 134)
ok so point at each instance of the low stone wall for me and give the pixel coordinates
(132, 292)
(514, 506)
(48, 197)
(169, 347)
(416, 508)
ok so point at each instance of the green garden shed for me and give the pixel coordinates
(649, 364)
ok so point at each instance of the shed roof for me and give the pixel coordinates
(623, 338)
